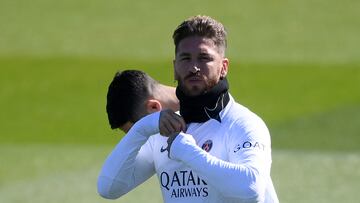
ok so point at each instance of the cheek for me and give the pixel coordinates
(214, 71)
(176, 76)
(177, 73)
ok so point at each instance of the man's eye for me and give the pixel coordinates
(185, 58)
(205, 58)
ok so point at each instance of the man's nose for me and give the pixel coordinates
(194, 69)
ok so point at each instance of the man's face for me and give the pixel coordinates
(198, 65)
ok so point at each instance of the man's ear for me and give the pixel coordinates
(224, 68)
(153, 105)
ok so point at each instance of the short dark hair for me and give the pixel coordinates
(126, 96)
(203, 26)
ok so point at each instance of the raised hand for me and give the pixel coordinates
(171, 123)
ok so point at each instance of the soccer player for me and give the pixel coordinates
(132, 94)
(216, 150)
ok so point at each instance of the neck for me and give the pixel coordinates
(167, 97)
(203, 107)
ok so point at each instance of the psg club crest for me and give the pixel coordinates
(207, 145)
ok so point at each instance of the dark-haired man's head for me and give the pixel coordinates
(133, 94)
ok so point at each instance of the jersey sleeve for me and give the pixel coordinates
(131, 161)
(249, 144)
(243, 176)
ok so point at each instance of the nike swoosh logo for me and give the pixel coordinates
(214, 112)
(163, 149)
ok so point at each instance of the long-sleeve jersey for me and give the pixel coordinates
(227, 161)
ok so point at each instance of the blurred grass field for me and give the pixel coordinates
(294, 63)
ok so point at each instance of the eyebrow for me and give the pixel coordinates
(205, 54)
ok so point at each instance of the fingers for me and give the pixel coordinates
(171, 123)
(165, 130)
(177, 123)
(170, 141)
(182, 123)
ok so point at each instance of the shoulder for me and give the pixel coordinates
(238, 114)
(243, 122)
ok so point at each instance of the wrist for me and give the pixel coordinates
(148, 125)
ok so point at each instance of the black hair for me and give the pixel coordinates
(126, 96)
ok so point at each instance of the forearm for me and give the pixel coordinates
(124, 168)
(116, 177)
(231, 179)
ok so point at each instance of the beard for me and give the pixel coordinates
(196, 90)
(195, 108)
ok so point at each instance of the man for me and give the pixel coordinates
(215, 151)
(133, 94)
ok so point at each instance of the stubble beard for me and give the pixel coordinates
(195, 90)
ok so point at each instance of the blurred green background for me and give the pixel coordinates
(294, 63)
